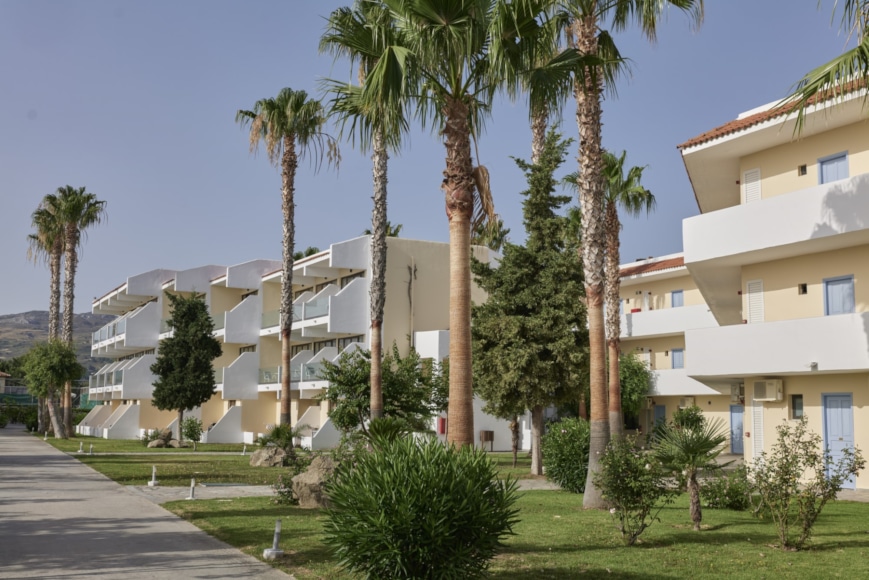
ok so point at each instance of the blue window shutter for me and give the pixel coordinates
(678, 358)
(677, 299)
(839, 296)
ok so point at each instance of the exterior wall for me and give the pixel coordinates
(778, 166)
(812, 388)
(659, 292)
(259, 413)
(714, 407)
(658, 346)
(224, 299)
(211, 411)
(150, 417)
(781, 278)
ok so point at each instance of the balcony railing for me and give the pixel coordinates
(219, 321)
(317, 307)
(118, 378)
(271, 318)
(296, 373)
(269, 375)
(311, 372)
(218, 375)
(164, 326)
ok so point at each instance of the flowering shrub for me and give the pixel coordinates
(634, 484)
(728, 491)
(565, 454)
(796, 479)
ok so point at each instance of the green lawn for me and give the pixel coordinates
(557, 539)
(134, 446)
(177, 470)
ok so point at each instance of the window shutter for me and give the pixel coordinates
(751, 185)
(756, 429)
(755, 301)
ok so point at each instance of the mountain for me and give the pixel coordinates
(19, 332)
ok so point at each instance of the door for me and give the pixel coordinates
(839, 428)
(736, 412)
(660, 414)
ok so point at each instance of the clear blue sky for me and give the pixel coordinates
(136, 101)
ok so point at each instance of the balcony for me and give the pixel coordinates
(826, 344)
(240, 324)
(822, 218)
(133, 332)
(271, 320)
(335, 311)
(666, 321)
(125, 379)
(676, 382)
(219, 321)
(240, 379)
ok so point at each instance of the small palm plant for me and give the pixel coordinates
(691, 450)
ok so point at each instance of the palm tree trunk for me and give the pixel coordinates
(458, 186)
(613, 322)
(71, 240)
(289, 162)
(694, 494)
(54, 264)
(538, 133)
(588, 118)
(377, 290)
(536, 437)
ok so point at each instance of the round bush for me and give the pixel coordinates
(565, 454)
(731, 491)
(414, 509)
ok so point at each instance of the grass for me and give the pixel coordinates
(557, 539)
(178, 470)
(101, 445)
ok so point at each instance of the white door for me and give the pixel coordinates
(754, 301)
(751, 186)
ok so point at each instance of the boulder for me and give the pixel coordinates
(156, 443)
(309, 487)
(267, 457)
(165, 435)
(174, 443)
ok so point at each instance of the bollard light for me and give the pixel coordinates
(153, 482)
(274, 551)
(92, 449)
(192, 488)
(244, 449)
(46, 436)
(81, 446)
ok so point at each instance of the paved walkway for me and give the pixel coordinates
(61, 519)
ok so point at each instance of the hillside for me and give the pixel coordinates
(18, 332)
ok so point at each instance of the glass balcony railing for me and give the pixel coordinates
(296, 373)
(121, 327)
(297, 312)
(164, 326)
(118, 378)
(218, 375)
(311, 372)
(271, 318)
(269, 375)
(219, 321)
(317, 307)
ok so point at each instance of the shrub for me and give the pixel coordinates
(728, 491)
(149, 436)
(30, 418)
(634, 484)
(796, 479)
(565, 454)
(3, 420)
(419, 509)
(191, 428)
(689, 418)
(283, 487)
(78, 415)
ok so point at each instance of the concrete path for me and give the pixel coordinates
(61, 519)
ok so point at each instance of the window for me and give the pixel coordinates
(796, 406)
(802, 289)
(347, 279)
(678, 358)
(319, 287)
(833, 167)
(299, 348)
(677, 299)
(244, 349)
(839, 295)
(323, 344)
(347, 341)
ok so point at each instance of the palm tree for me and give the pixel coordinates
(454, 49)
(391, 231)
(78, 210)
(309, 251)
(623, 190)
(588, 38)
(843, 74)
(375, 111)
(690, 451)
(47, 245)
(290, 125)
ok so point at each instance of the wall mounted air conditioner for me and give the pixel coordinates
(770, 390)
(685, 402)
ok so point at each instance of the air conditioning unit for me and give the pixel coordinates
(770, 390)
(685, 402)
(737, 393)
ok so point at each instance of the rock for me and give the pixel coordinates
(267, 457)
(174, 443)
(156, 443)
(165, 436)
(309, 486)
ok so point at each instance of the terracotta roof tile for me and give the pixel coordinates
(652, 267)
(751, 120)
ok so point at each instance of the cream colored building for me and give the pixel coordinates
(780, 253)
(330, 316)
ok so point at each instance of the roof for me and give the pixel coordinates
(4, 375)
(778, 110)
(648, 267)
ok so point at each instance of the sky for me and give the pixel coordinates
(136, 101)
